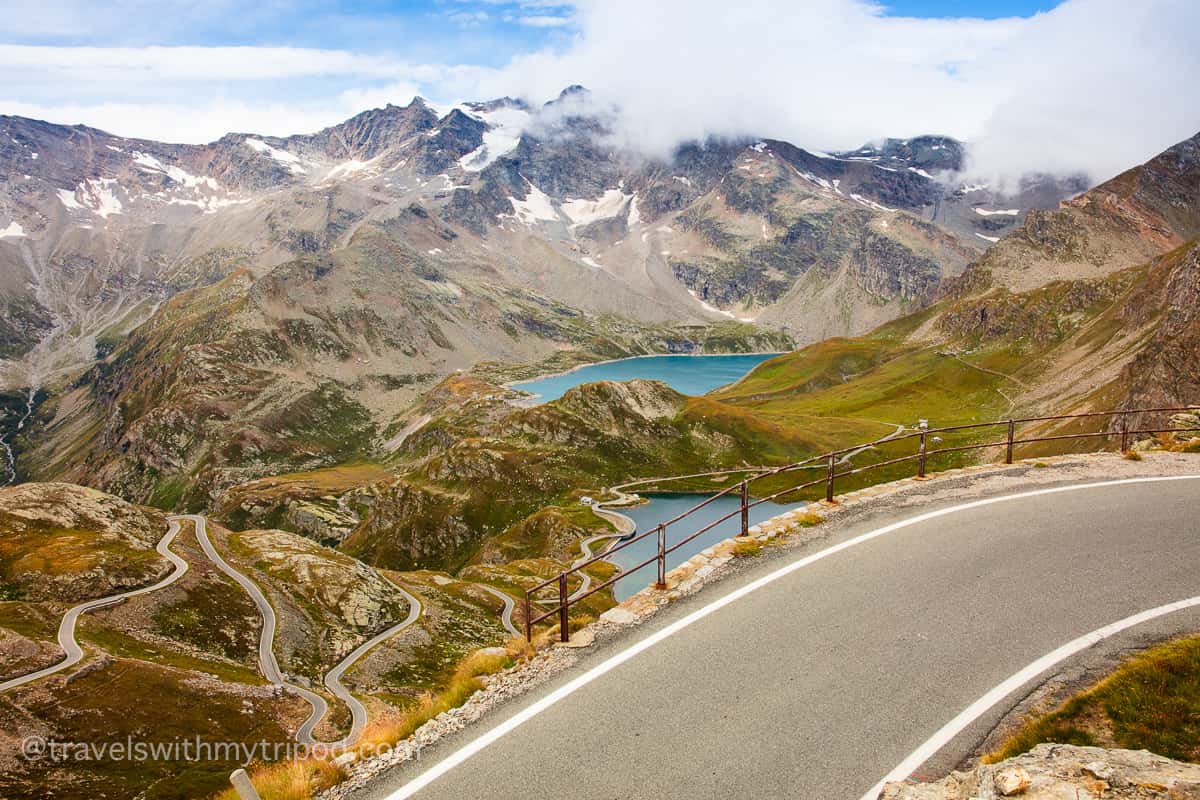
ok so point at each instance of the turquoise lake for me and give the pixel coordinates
(662, 507)
(690, 375)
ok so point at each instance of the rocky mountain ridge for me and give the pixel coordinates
(96, 230)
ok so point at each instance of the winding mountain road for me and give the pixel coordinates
(815, 673)
(270, 666)
(73, 653)
(506, 611)
(333, 678)
(267, 663)
(585, 553)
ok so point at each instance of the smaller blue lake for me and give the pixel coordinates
(690, 375)
(663, 507)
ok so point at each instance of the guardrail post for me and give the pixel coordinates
(528, 618)
(829, 480)
(1124, 432)
(1012, 428)
(242, 785)
(661, 583)
(745, 509)
(921, 456)
(564, 626)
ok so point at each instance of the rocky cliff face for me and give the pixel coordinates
(1166, 371)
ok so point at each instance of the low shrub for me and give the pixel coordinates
(749, 548)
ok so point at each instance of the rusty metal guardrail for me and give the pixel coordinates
(829, 461)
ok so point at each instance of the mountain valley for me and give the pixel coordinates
(309, 340)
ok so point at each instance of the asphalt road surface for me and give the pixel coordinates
(506, 611)
(819, 682)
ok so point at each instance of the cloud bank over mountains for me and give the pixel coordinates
(1092, 86)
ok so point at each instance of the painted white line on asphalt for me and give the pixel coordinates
(512, 723)
(980, 707)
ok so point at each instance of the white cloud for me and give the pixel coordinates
(544, 21)
(1094, 85)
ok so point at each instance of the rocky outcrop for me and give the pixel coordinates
(328, 602)
(408, 527)
(64, 542)
(1166, 372)
(614, 406)
(1063, 772)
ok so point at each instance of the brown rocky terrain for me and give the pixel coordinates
(1052, 771)
(327, 602)
(69, 543)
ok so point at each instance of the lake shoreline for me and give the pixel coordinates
(515, 385)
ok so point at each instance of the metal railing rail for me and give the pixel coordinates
(831, 461)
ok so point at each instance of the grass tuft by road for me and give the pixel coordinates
(1151, 702)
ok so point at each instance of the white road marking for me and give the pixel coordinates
(512, 723)
(981, 706)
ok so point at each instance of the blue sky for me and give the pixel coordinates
(826, 74)
(983, 9)
(477, 31)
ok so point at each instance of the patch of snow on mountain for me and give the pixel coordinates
(590, 262)
(920, 172)
(973, 187)
(685, 181)
(819, 181)
(606, 206)
(13, 231)
(209, 204)
(180, 176)
(635, 216)
(285, 158)
(94, 194)
(536, 206)
(505, 126)
(67, 198)
(858, 198)
(1008, 212)
(348, 168)
(992, 239)
(709, 307)
(759, 147)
